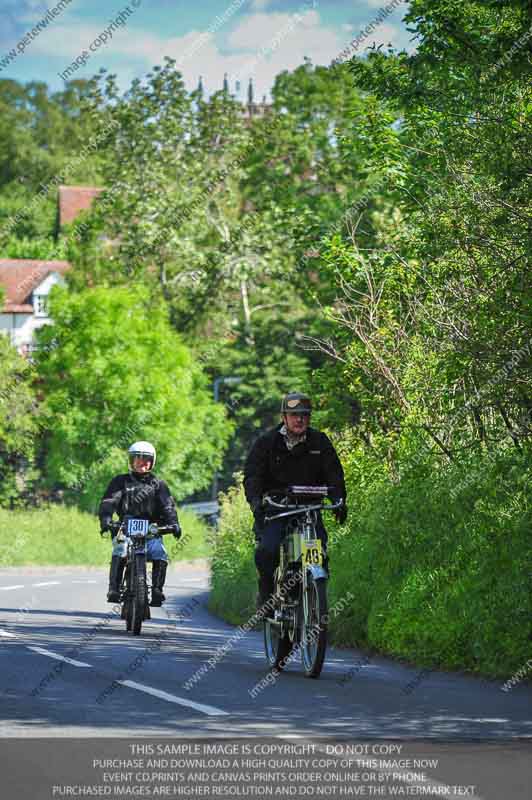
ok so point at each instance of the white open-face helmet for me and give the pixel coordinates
(142, 450)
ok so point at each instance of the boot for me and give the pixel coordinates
(158, 576)
(116, 573)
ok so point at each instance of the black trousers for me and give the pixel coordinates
(268, 538)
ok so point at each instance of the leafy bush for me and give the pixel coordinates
(233, 568)
(19, 422)
(439, 562)
(113, 372)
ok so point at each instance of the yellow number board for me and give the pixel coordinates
(312, 553)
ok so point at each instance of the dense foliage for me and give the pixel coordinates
(436, 286)
(439, 564)
(113, 371)
(430, 313)
(19, 424)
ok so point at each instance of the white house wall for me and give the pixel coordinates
(21, 327)
(52, 279)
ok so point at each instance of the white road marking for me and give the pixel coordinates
(49, 653)
(469, 719)
(211, 711)
(8, 634)
(8, 588)
(196, 631)
(47, 583)
(86, 580)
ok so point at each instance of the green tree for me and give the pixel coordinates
(112, 371)
(435, 315)
(19, 422)
(177, 215)
(41, 132)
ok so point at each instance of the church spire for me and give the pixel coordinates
(200, 88)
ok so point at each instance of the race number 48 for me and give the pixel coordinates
(312, 554)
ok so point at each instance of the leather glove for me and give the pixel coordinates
(176, 530)
(105, 522)
(341, 514)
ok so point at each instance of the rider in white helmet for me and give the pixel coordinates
(139, 493)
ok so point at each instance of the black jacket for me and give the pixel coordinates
(271, 465)
(147, 497)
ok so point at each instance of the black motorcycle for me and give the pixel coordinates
(135, 591)
(298, 619)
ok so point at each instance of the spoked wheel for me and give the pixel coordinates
(139, 599)
(314, 627)
(128, 613)
(127, 608)
(277, 643)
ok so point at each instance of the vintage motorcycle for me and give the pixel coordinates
(298, 619)
(135, 590)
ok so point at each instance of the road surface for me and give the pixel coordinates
(70, 669)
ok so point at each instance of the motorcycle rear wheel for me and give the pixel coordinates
(277, 644)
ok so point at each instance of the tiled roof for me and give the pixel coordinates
(20, 276)
(73, 199)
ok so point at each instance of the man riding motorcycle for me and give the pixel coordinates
(139, 494)
(290, 454)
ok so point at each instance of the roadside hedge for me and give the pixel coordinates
(439, 561)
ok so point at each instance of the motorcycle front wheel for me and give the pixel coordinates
(313, 642)
(139, 598)
(127, 607)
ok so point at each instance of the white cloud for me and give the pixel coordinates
(271, 43)
(257, 29)
(384, 34)
(69, 40)
(260, 46)
(383, 3)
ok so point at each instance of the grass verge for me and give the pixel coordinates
(61, 535)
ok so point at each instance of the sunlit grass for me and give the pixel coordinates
(59, 535)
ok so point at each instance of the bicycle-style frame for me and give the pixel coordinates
(299, 620)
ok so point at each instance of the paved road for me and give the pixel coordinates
(113, 683)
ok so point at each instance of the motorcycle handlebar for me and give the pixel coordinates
(322, 507)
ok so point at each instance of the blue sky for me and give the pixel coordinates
(244, 38)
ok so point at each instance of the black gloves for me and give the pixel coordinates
(341, 513)
(105, 523)
(176, 529)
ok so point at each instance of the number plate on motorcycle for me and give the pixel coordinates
(137, 527)
(312, 554)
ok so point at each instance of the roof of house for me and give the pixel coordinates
(73, 199)
(20, 276)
